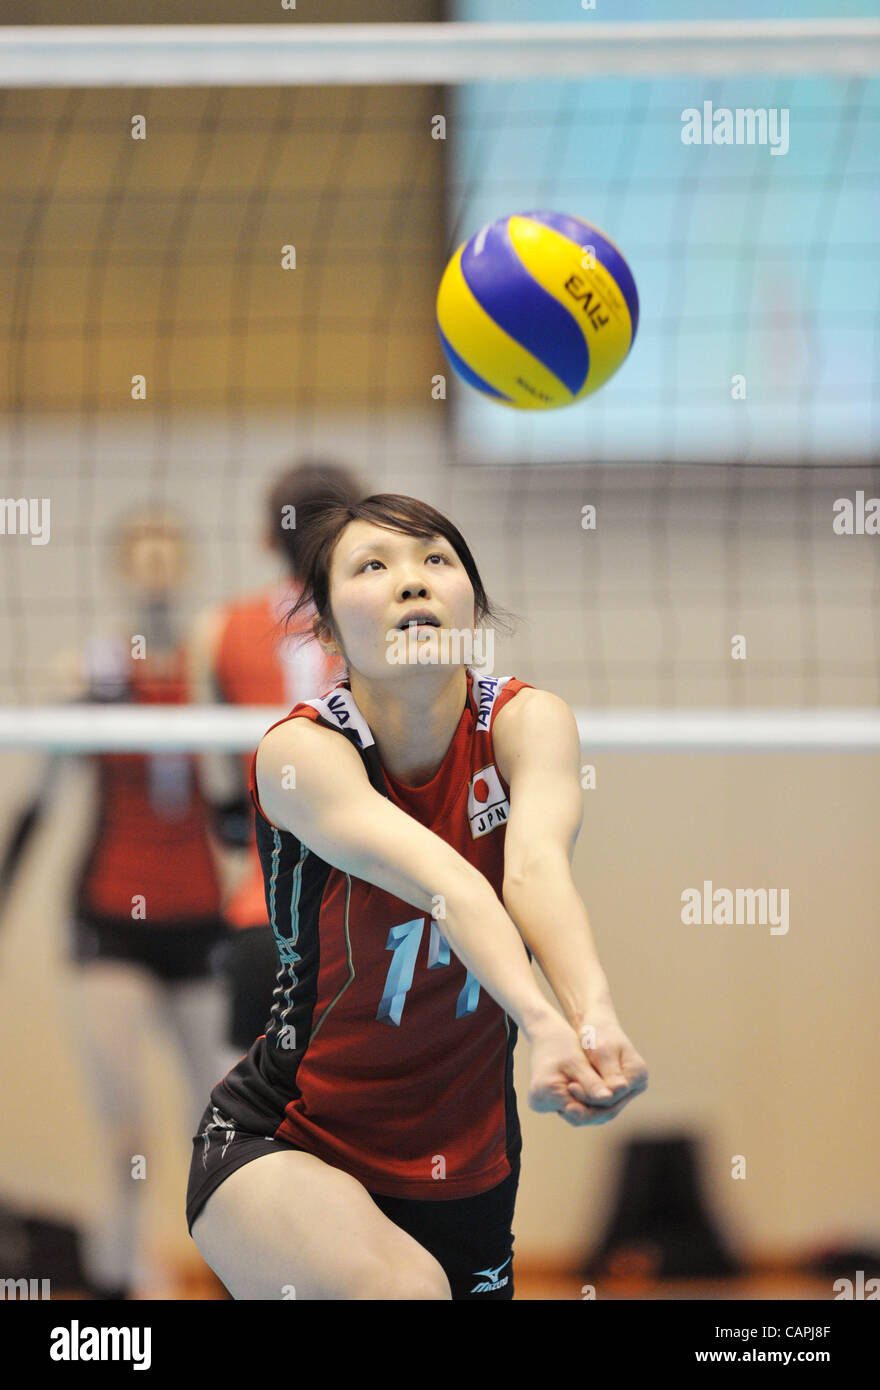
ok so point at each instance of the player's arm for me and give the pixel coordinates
(338, 815)
(28, 819)
(536, 740)
(67, 680)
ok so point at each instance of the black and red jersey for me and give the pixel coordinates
(383, 1055)
(150, 838)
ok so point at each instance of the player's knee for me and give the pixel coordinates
(397, 1280)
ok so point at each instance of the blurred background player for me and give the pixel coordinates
(146, 906)
(241, 653)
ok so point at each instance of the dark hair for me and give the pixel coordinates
(306, 483)
(325, 521)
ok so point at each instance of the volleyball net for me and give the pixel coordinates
(223, 245)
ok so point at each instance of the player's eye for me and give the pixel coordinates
(435, 555)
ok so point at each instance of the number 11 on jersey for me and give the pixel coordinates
(404, 941)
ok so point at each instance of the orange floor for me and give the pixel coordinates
(537, 1283)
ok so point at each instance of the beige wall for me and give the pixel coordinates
(761, 1044)
(222, 12)
(162, 256)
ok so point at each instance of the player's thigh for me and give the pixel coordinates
(116, 1007)
(194, 1012)
(289, 1225)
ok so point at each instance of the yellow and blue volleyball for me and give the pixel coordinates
(537, 310)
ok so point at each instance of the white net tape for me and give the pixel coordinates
(202, 728)
(275, 54)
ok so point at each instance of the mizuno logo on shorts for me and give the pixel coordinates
(490, 1281)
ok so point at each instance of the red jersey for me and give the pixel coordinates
(150, 835)
(383, 1055)
(258, 662)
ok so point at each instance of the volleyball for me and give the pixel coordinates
(537, 310)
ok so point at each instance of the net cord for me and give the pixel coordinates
(235, 55)
(96, 728)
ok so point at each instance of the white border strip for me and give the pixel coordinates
(237, 55)
(201, 728)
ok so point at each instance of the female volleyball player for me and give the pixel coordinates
(146, 905)
(403, 819)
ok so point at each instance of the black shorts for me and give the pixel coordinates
(248, 963)
(176, 951)
(470, 1237)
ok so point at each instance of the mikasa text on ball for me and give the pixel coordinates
(537, 310)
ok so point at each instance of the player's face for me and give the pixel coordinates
(155, 561)
(378, 577)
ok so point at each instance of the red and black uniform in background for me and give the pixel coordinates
(149, 840)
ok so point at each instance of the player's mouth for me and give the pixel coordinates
(421, 617)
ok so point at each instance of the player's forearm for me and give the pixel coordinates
(553, 922)
(481, 934)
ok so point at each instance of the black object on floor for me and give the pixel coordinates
(661, 1226)
(33, 1247)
